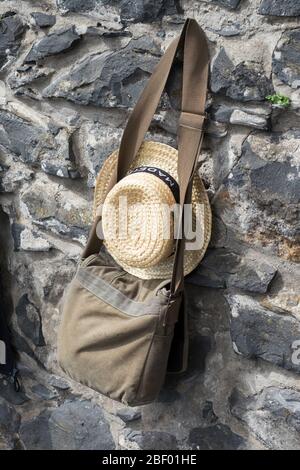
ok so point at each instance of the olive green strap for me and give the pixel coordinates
(194, 86)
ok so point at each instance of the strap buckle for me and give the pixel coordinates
(192, 120)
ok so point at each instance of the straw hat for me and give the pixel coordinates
(141, 239)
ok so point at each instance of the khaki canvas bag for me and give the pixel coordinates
(119, 334)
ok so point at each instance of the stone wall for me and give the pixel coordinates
(70, 72)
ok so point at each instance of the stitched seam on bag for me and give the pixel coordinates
(92, 277)
(97, 287)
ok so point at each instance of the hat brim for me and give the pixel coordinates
(165, 157)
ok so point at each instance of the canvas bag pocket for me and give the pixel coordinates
(112, 335)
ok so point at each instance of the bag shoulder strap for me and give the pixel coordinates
(190, 135)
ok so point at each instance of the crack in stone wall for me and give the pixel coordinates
(5, 293)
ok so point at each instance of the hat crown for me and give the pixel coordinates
(137, 219)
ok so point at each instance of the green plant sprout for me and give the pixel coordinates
(279, 100)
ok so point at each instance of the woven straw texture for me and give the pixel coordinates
(140, 254)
